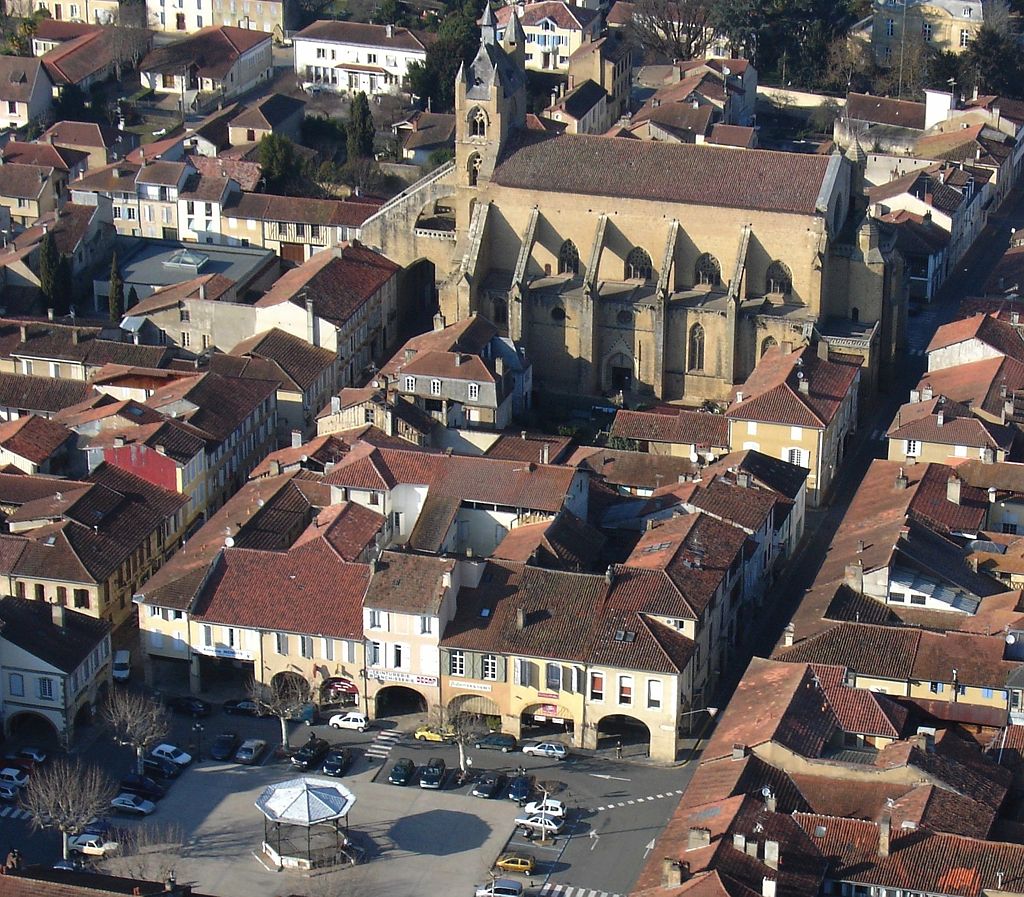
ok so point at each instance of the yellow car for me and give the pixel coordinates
(516, 862)
(433, 733)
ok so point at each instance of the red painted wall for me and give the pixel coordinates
(146, 463)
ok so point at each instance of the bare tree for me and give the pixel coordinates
(65, 795)
(138, 721)
(129, 38)
(677, 29)
(282, 698)
(148, 852)
(462, 728)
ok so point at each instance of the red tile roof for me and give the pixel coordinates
(885, 111)
(989, 329)
(570, 18)
(301, 362)
(920, 421)
(214, 50)
(363, 34)
(349, 528)
(563, 543)
(34, 438)
(703, 429)
(529, 447)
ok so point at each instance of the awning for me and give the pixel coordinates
(340, 685)
(352, 67)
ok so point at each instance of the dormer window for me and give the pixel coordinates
(435, 387)
(410, 384)
(474, 391)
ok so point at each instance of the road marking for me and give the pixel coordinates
(639, 800)
(599, 775)
(6, 811)
(383, 742)
(648, 847)
(549, 889)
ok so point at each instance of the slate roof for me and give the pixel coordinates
(772, 393)
(635, 169)
(698, 428)
(29, 625)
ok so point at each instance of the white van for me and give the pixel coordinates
(122, 665)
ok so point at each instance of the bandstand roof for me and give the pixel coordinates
(306, 801)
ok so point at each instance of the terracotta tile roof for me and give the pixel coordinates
(977, 384)
(698, 428)
(269, 112)
(213, 50)
(76, 60)
(18, 77)
(633, 470)
(57, 30)
(620, 14)
(363, 34)
(315, 591)
(858, 710)
(23, 181)
(349, 528)
(246, 174)
(978, 659)
(563, 543)
(773, 394)
(117, 177)
(450, 366)
(42, 395)
(635, 169)
(732, 135)
(943, 186)
(885, 111)
(204, 188)
(323, 451)
(1005, 477)
(80, 133)
(220, 403)
(988, 329)
(920, 421)
(749, 507)
(33, 438)
(916, 234)
(339, 284)
(570, 18)
(1008, 274)
(178, 440)
(300, 361)
(18, 488)
(210, 287)
(681, 118)
(43, 154)
(409, 583)
(29, 625)
(165, 174)
(469, 336)
(857, 799)
(979, 143)
(725, 777)
(869, 650)
(772, 473)
(426, 129)
(529, 447)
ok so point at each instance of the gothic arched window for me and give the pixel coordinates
(478, 122)
(474, 169)
(766, 344)
(568, 258)
(779, 279)
(707, 271)
(695, 358)
(638, 265)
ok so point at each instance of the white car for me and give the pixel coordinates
(37, 755)
(92, 845)
(132, 803)
(552, 749)
(170, 752)
(9, 792)
(351, 720)
(549, 807)
(541, 823)
(16, 777)
(311, 87)
(500, 887)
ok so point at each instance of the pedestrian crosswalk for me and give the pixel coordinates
(14, 813)
(640, 800)
(381, 746)
(550, 889)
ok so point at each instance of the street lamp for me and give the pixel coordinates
(710, 711)
(197, 731)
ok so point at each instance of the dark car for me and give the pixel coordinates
(311, 753)
(189, 706)
(488, 785)
(244, 707)
(143, 786)
(18, 762)
(402, 772)
(224, 746)
(432, 775)
(497, 741)
(337, 761)
(161, 768)
(520, 788)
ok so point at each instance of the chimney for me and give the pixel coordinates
(671, 873)
(296, 438)
(545, 454)
(739, 842)
(822, 350)
(991, 495)
(74, 336)
(884, 833)
(698, 838)
(752, 849)
(739, 397)
(953, 489)
(901, 480)
(57, 614)
(787, 347)
(24, 333)
(788, 635)
(940, 419)
(767, 887)
(860, 546)
(520, 618)
(311, 329)
(335, 404)
(49, 314)
(1008, 409)
(161, 449)
(275, 467)
(609, 575)
(771, 852)
(439, 321)
(771, 804)
(458, 359)
(805, 386)
(1015, 318)
(739, 751)
(854, 576)
(389, 30)
(915, 396)
(499, 366)
(743, 479)
(202, 292)
(926, 393)
(119, 442)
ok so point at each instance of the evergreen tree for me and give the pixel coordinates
(279, 161)
(360, 129)
(116, 298)
(49, 274)
(457, 42)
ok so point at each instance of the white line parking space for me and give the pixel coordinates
(550, 890)
(639, 800)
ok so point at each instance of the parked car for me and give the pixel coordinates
(251, 751)
(9, 792)
(13, 776)
(92, 845)
(432, 775)
(35, 754)
(189, 706)
(516, 862)
(172, 753)
(73, 864)
(305, 713)
(243, 707)
(17, 762)
(132, 804)
(312, 88)
(143, 786)
(548, 806)
(224, 746)
(122, 668)
(402, 772)
(311, 753)
(520, 788)
(488, 785)
(497, 741)
(500, 887)
(161, 768)
(337, 761)
(550, 749)
(434, 733)
(540, 824)
(353, 719)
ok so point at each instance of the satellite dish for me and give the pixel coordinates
(1011, 639)
(694, 457)
(766, 791)
(229, 542)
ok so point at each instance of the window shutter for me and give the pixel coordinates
(577, 678)
(517, 671)
(534, 674)
(473, 665)
(502, 668)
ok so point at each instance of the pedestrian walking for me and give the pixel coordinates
(618, 749)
